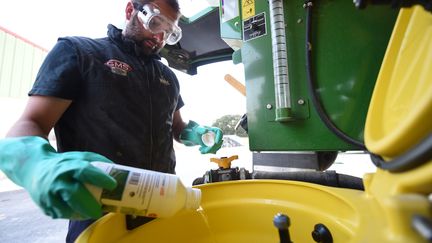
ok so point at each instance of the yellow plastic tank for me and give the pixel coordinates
(243, 211)
(400, 112)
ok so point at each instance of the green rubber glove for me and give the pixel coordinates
(55, 180)
(192, 135)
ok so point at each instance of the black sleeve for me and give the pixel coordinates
(180, 103)
(59, 76)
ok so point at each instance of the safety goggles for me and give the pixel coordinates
(155, 22)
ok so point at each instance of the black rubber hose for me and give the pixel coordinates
(198, 181)
(416, 156)
(311, 87)
(327, 178)
(419, 155)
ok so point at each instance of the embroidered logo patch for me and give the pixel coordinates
(164, 81)
(118, 67)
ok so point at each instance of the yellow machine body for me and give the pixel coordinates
(234, 212)
(400, 113)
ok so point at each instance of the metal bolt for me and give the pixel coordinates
(269, 106)
(299, 21)
(307, 4)
(282, 222)
(356, 3)
(423, 226)
(300, 102)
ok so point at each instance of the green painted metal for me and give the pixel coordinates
(236, 57)
(232, 28)
(348, 46)
(19, 63)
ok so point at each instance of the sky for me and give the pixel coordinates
(207, 95)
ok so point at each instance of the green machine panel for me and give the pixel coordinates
(348, 47)
(230, 18)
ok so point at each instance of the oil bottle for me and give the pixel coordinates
(142, 192)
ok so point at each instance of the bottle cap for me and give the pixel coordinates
(208, 138)
(193, 198)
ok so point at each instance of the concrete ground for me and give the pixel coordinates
(22, 221)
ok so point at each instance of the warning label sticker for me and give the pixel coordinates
(254, 27)
(248, 8)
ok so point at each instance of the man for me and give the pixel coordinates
(109, 100)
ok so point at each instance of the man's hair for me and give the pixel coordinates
(172, 3)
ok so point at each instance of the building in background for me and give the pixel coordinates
(20, 60)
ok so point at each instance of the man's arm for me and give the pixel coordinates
(39, 116)
(55, 181)
(178, 125)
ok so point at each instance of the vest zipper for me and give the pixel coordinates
(151, 108)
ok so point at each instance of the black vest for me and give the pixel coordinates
(122, 103)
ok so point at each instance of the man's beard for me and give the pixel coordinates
(132, 30)
(141, 48)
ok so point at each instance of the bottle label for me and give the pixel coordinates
(134, 191)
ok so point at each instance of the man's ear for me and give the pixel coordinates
(129, 10)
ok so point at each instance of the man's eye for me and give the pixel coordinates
(156, 23)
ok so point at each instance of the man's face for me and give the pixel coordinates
(147, 41)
